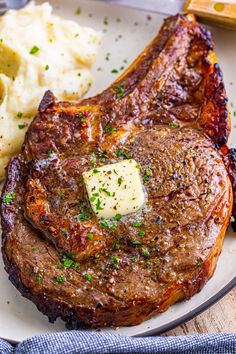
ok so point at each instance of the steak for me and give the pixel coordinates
(168, 111)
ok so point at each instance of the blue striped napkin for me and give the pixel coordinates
(83, 342)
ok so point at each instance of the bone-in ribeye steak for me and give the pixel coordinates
(168, 112)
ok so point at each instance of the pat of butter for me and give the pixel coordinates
(115, 189)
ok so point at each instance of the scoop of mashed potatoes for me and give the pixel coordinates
(39, 51)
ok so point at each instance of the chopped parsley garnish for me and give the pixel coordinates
(141, 232)
(98, 205)
(46, 68)
(173, 124)
(88, 277)
(134, 259)
(19, 115)
(110, 226)
(116, 246)
(9, 198)
(118, 153)
(103, 269)
(64, 232)
(148, 263)
(34, 248)
(49, 153)
(120, 90)
(107, 56)
(114, 262)
(138, 166)
(94, 196)
(145, 252)
(147, 176)
(137, 223)
(118, 217)
(93, 161)
(105, 191)
(82, 118)
(199, 264)
(38, 278)
(148, 171)
(109, 130)
(114, 71)
(60, 279)
(90, 235)
(135, 243)
(21, 126)
(115, 259)
(105, 21)
(34, 50)
(68, 262)
(104, 223)
(71, 255)
(78, 11)
(84, 216)
(120, 180)
(127, 155)
(102, 156)
(95, 170)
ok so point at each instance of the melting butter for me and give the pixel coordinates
(115, 189)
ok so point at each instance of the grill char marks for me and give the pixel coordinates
(168, 112)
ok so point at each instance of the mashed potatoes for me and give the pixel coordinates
(39, 51)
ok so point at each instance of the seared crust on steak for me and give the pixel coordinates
(169, 112)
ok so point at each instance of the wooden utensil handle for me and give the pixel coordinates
(219, 12)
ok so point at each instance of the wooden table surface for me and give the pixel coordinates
(221, 317)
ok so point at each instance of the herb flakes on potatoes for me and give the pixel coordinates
(39, 51)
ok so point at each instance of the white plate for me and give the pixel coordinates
(125, 36)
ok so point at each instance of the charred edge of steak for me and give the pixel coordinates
(55, 309)
(232, 174)
(218, 127)
(47, 100)
(8, 210)
(50, 307)
(143, 62)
